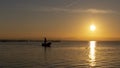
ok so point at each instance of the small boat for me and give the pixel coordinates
(46, 44)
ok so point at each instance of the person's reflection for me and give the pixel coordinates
(46, 53)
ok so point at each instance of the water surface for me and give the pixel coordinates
(91, 54)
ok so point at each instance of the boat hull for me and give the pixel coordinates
(46, 44)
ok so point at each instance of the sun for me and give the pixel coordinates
(92, 27)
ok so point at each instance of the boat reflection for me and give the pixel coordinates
(92, 55)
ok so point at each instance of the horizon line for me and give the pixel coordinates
(50, 40)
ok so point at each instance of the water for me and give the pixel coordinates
(60, 55)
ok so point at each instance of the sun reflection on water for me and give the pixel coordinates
(92, 55)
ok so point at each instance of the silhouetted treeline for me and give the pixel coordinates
(20, 40)
(28, 40)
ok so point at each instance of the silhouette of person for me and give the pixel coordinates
(45, 40)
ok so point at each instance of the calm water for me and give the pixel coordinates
(61, 55)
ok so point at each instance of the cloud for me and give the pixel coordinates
(99, 11)
(94, 11)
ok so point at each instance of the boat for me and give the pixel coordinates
(46, 44)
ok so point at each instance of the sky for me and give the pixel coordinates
(60, 19)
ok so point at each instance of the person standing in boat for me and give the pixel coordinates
(45, 43)
(45, 40)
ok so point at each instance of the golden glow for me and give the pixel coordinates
(92, 53)
(92, 27)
